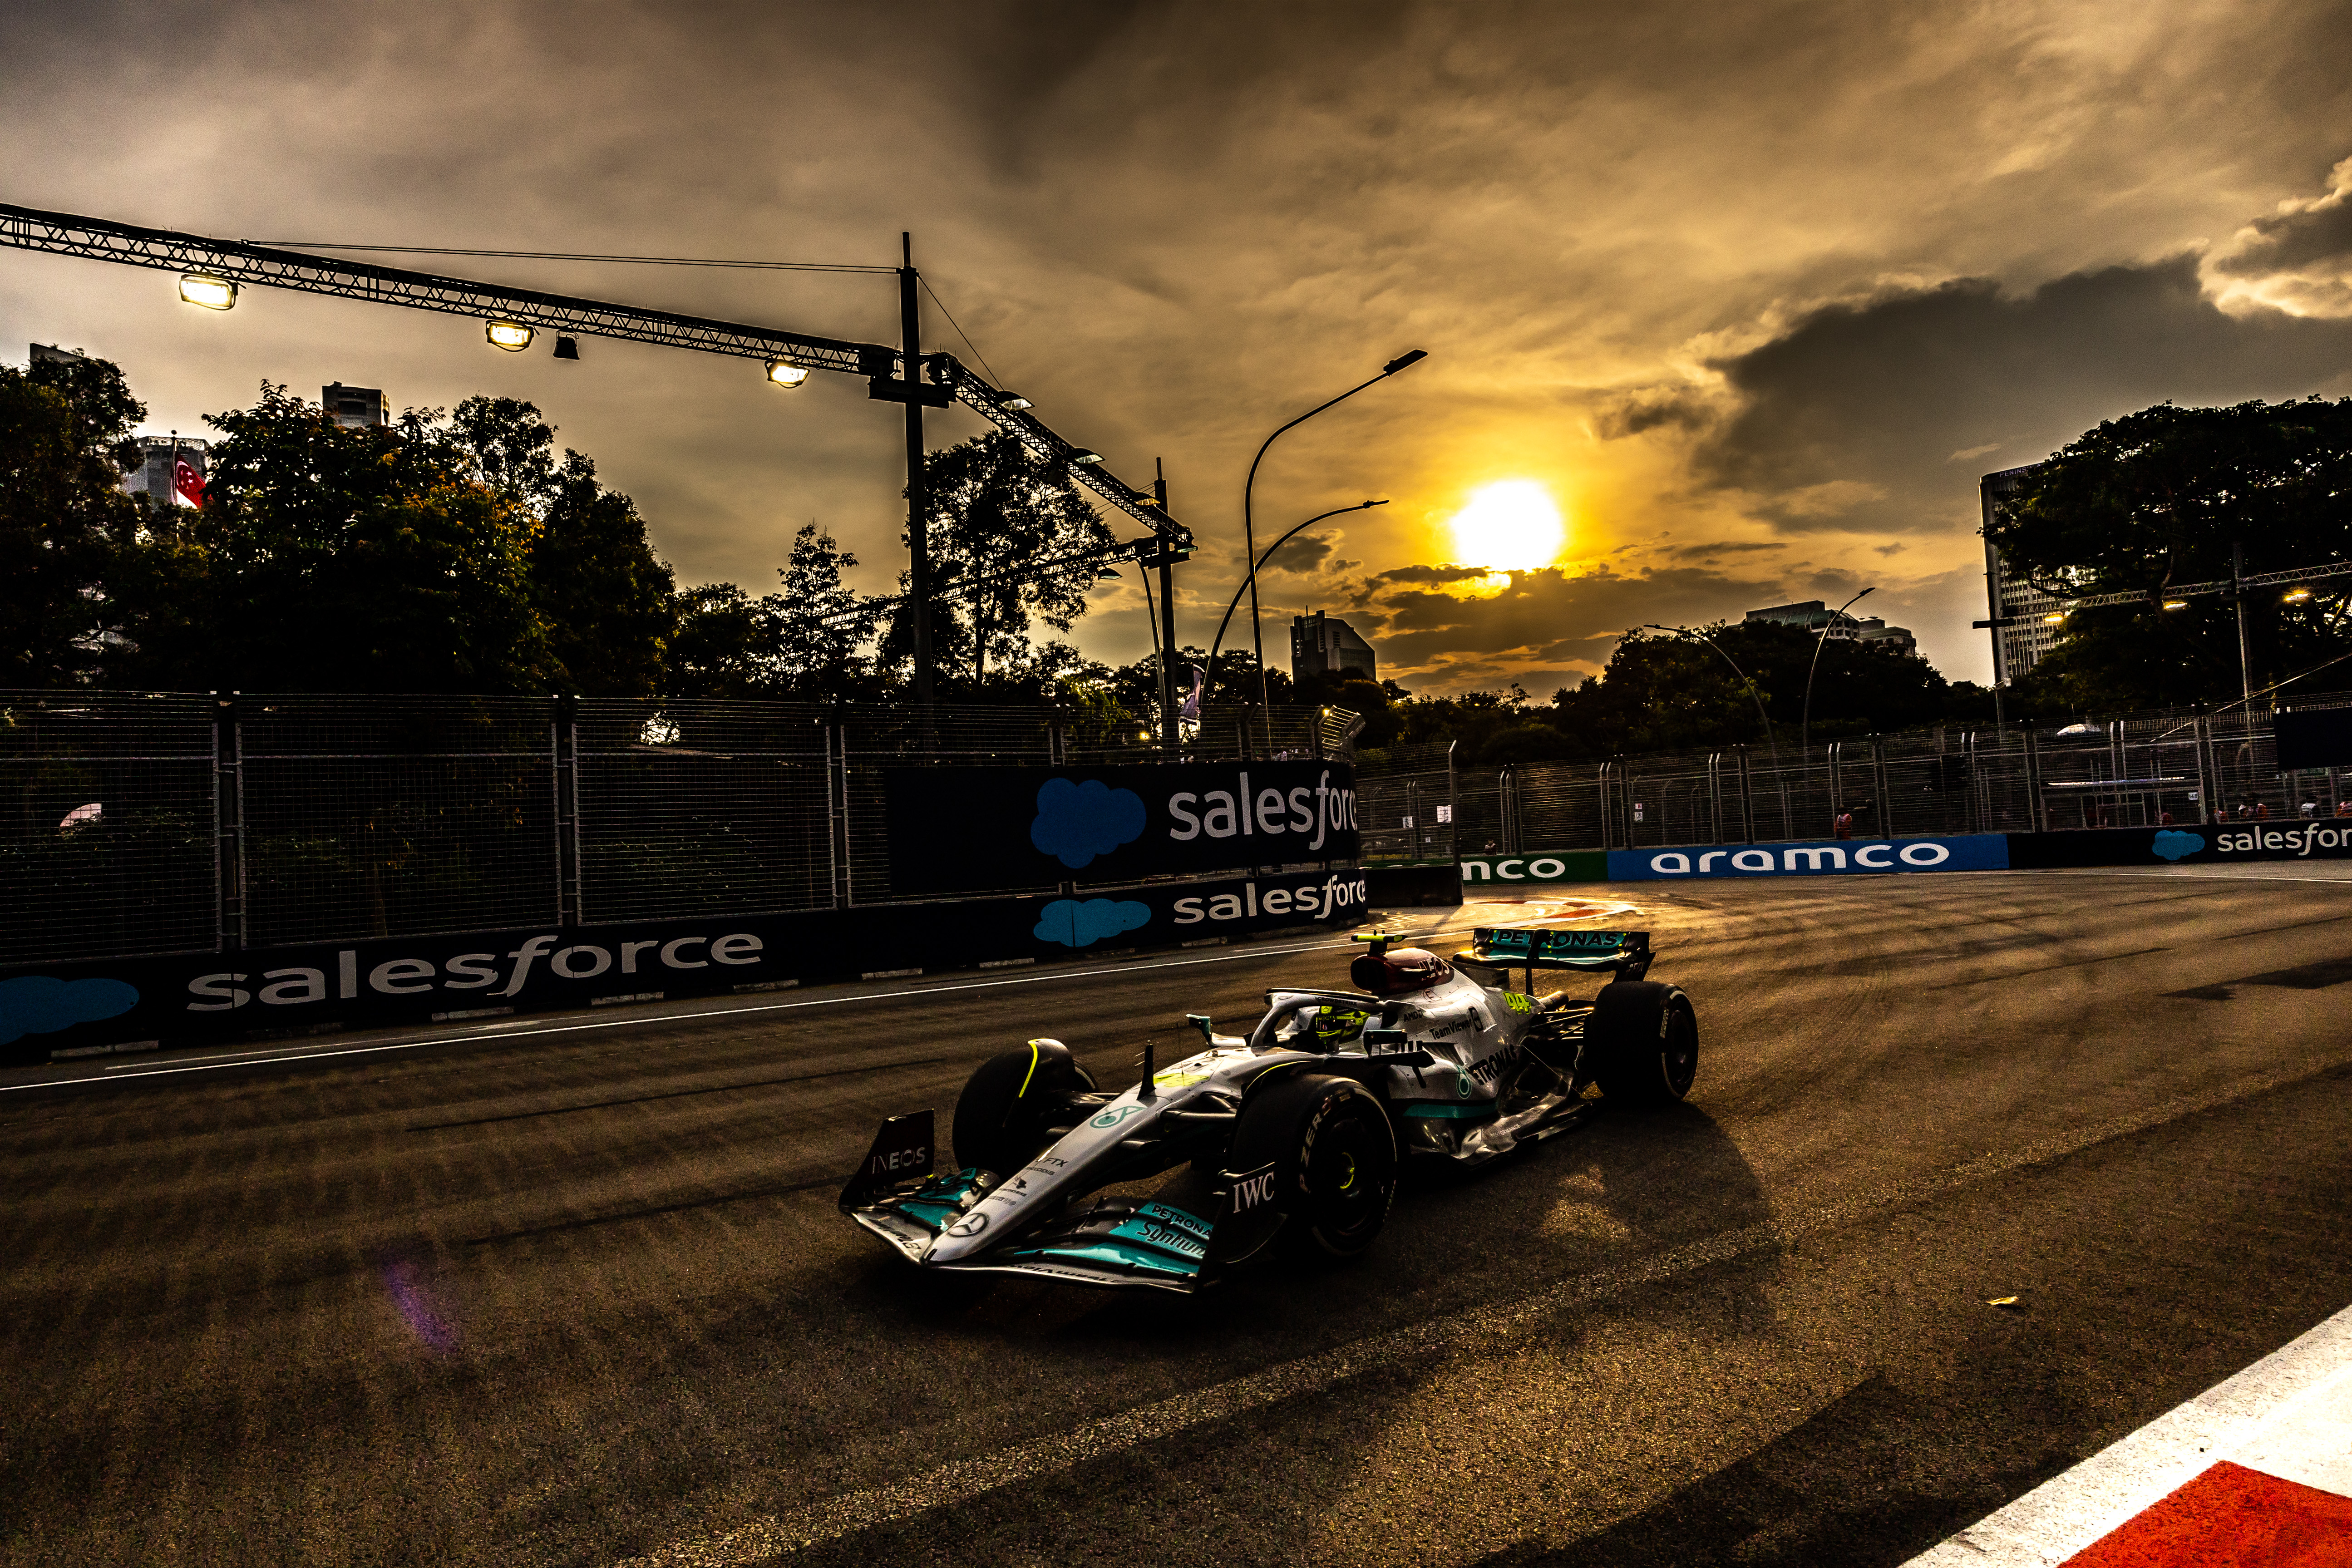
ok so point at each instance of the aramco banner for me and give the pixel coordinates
(957, 830)
(1823, 857)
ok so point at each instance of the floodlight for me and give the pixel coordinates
(204, 288)
(1014, 400)
(1410, 358)
(1079, 455)
(2297, 595)
(2054, 618)
(2176, 604)
(566, 347)
(513, 336)
(784, 372)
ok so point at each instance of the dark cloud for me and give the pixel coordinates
(1634, 412)
(1554, 617)
(1304, 554)
(1728, 547)
(1846, 419)
(1432, 574)
(2307, 233)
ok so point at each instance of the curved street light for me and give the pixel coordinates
(1209, 671)
(1805, 732)
(1249, 535)
(1769, 738)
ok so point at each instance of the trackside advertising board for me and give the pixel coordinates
(2218, 844)
(86, 1008)
(1822, 857)
(1536, 866)
(967, 829)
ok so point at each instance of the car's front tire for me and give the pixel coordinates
(1334, 1155)
(1641, 1042)
(1009, 1103)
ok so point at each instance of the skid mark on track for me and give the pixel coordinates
(766, 1539)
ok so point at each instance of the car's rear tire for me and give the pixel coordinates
(1333, 1154)
(1009, 1102)
(1641, 1043)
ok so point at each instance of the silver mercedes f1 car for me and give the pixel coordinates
(1296, 1133)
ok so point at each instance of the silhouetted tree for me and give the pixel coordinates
(65, 430)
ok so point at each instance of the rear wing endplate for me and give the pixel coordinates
(1623, 954)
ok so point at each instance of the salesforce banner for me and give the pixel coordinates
(86, 1009)
(1824, 857)
(2216, 844)
(956, 830)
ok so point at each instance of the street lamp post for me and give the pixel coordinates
(1249, 535)
(1208, 675)
(1769, 738)
(1805, 731)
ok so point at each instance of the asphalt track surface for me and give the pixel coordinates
(577, 1293)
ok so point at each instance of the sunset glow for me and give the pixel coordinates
(1510, 525)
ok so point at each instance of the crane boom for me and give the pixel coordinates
(102, 239)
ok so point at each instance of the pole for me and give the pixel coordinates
(1209, 674)
(2245, 665)
(1167, 615)
(919, 544)
(1249, 537)
(1805, 733)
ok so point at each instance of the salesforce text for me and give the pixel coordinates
(415, 976)
(1227, 813)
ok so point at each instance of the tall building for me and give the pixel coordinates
(174, 466)
(1814, 615)
(1319, 642)
(2016, 648)
(355, 407)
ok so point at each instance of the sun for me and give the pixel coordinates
(1508, 526)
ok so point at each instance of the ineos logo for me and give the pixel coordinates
(902, 1160)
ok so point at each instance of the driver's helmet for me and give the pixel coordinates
(1399, 969)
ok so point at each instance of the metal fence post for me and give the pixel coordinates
(1747, 799)
(1884, 786)
(567, 811)
(228, 826)
(837, 804)
(1453, 805)
(2033, 823)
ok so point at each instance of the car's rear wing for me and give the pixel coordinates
(1622, 953)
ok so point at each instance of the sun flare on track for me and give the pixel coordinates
(1510, 525)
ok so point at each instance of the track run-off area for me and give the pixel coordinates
(573, 1289)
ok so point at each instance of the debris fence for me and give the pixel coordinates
(2126, 771)
(137, 823)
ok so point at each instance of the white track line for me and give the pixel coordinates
(767, 1539)
(2285, 1416)
(1040, 978)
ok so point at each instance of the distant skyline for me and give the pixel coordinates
(1747, 295)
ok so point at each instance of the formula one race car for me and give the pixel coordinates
(1295, 1133)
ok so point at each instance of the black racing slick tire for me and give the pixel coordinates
(1333, 1154)
(1641, 1043)
(1002, 1117)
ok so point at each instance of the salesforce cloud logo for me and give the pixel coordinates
(1074, 923)
(1076, 821)
(37, 1004)
(2174, 846)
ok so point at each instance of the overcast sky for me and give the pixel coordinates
(1754, 292)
